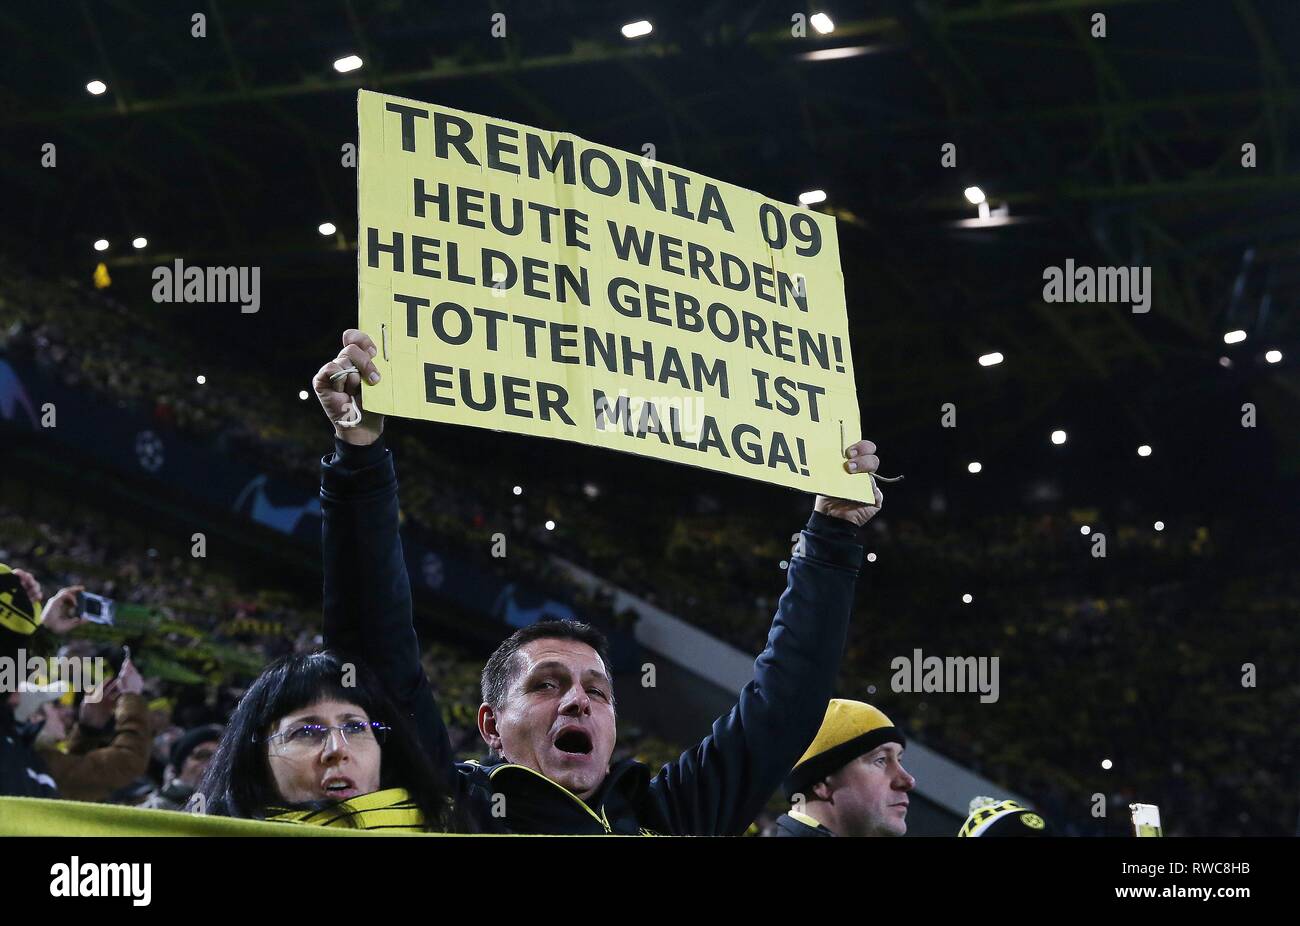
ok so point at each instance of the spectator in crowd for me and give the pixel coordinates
(31, 703)
(107, 748)
(190, 757)
(24, 626)
(316, 741)
(993, 818)
(851, 780)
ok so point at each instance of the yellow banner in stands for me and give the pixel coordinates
(533, 282)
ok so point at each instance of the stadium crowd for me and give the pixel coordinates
(1151, 623)
(198, 636)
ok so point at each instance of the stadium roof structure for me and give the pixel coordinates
(1117, 150)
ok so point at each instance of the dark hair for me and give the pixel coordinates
(502, 664)
(238, 781)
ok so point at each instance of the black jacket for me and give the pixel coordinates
(715, 788)
(22, 773)
(787, 825)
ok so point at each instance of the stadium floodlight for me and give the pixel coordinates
(871, 557)
(991, 360)
(101, 244)
(1225, 362)
(637, 29)
(822, 23)
(1234, 337)
(1085, 529)
(200, 379)
(1106, 763)
(1273, 356)
(1144, 450)
(96, 87)
(1058, 437)
(967, 598)
(812, 197)
(519, 490)
(139, 242)
(974, 466)
(550, 525)
(974, 195)
(1160, 525)
(326, 228)
(350, 63)
(302, 394)
(832, 54)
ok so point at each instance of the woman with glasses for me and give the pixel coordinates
(315, 740)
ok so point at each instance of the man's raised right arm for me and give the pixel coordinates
(368, 610)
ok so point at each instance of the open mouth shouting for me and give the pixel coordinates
(574, 743)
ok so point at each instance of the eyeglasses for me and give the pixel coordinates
(310, 737)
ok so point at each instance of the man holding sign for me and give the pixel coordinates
(548, 705)
(536, 283)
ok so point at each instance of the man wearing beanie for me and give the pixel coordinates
(989, 817)
(850, 781)
(189, 759)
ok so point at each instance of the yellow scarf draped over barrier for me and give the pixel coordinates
(34, 816)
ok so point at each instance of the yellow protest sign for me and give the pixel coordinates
(533, 282)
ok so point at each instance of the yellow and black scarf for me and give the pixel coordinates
(391, 809)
